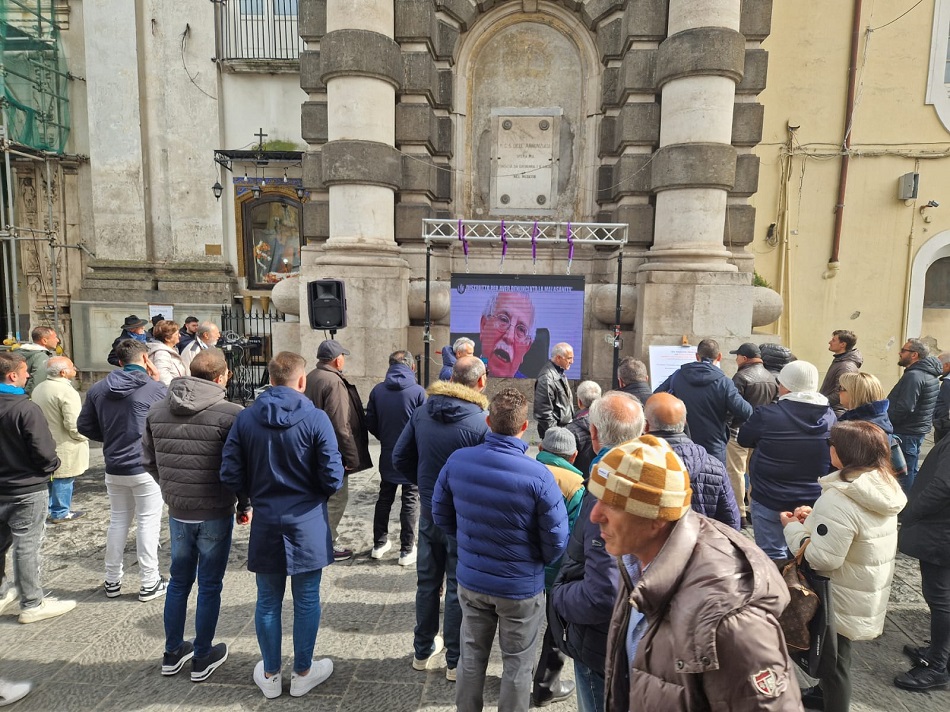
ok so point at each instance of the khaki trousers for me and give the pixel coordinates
(737, 460)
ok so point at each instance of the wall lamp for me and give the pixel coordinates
(217, 190)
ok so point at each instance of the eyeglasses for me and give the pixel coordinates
(842, 389)
(503, 323)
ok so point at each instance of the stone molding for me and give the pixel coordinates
(361, 53)
(702, 51)
(694, 165)
(361, 162)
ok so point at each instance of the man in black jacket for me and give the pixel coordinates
(912, 402)
(847, 359)
(587, 393)
(633, 379)
(757, 387)
(28, 461)
(200, 508)
(942, 409)
(925, 535)
(553, 400)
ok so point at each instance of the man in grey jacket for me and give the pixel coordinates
(181, 447)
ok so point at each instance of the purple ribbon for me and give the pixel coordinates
(504, 240)
(570, 244)
(461, 233)
(534, 243)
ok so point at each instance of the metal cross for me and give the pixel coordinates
(260, 138)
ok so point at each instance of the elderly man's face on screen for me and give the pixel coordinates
(506, 334)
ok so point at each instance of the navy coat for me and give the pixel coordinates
(448, 362)
(712, 403)
(453, 417)
(388, 410)
(282, 454)
(713, 495)
(791, 452)
(507, 513)
(874, 412)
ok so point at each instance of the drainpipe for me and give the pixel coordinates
(846, 157)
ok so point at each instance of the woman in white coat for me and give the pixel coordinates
(163, 354)
(852, 539)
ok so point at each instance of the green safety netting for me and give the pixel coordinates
(33, 75)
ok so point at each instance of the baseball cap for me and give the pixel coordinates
(330, 349)
(749, 350)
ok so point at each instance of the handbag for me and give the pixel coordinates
(802, 607)
(898, 462)
(818, 657)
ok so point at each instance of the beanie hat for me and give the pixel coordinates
(799, 376)
(643, 477)
(559, 441)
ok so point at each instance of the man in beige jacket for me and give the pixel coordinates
(60, 404)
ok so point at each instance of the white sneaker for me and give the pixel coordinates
(431, 662)
(451, 674)
(378, 551)
(270, 686)
(9, 597)
(10, 692)
(49, 608)
(407, 558)
(320, 670)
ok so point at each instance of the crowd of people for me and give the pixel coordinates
(625, 534)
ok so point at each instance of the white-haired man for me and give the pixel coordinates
(553, 399)
(587, 393)
(463, 346)
(506, 331)
(205, 338)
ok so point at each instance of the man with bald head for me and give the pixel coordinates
(712, 490)
(60, 404)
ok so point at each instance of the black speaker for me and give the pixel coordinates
(327, 302)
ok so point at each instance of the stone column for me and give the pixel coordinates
(361, 68)
(687, 286)
(698, 67)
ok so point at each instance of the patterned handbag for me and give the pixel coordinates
(796, 618)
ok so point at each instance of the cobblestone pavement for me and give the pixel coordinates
(106, 654)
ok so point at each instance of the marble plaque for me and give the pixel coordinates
(524, 161)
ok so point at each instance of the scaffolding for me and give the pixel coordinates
(34, 124)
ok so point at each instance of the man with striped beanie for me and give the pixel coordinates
(696, 623)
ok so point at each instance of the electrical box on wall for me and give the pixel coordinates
(907, 186)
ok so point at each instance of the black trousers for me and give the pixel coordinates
(408, 515)
(837, 686)
(547, 675)
(935, 585)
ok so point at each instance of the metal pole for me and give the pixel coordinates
(427, 337)
(614, 381)
(11, 220)
(52, 250)
(8, 307)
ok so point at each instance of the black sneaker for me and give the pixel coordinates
(111, 588)
(918, 656)
(172, 663)
(923, 678)
(201, 668)
(154, 591)
(813, 698)
(342, 554)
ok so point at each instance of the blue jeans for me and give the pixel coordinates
(768, 530)
(437, 556)
(270, 597)
(910, 446)
(198, 551)
(22, 525)
(590, 689)
(60, 497)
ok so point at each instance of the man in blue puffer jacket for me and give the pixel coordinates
(453, 417)
(711, 398)
(508, 516)
(791, 452)
(390, 405)
(712, 489)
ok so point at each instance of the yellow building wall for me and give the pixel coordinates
(893, 132)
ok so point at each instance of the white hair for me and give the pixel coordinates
(588, 392)
(608, 414)
(463, 342)
(561, 349)
(944, 358)
(490, 305)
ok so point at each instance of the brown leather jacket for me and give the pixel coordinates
(338, 398)
(713, 642)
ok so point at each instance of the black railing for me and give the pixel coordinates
(258, 29)
(247, 342)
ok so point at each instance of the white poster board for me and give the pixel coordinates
(166, 310)
(664, 360)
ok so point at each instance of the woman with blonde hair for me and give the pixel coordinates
(851, 536)
(863, 396)
(163, 354)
